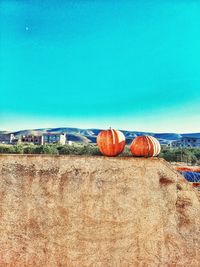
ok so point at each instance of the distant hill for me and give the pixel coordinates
(89, 135)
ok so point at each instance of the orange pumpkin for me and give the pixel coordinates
(111, 142)
(145, 146)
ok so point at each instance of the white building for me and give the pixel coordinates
(54, 138)
(70, 143)
(6, 138)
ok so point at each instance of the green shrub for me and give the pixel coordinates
(126, 152)
(47, 149)
(18, 149)
(181, 155)
(190, 155)
(7, 149)
(30, 149)
(79, 149)
(64, 150)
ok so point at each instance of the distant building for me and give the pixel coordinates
(34, 139)
(187, 142)
(16, 141)
(165, 145)
(54, 138)
(70, 143)
(6, 138)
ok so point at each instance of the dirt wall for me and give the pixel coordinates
(94, 211)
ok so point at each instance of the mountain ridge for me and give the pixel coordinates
(89, 135)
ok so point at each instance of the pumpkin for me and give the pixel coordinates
(145, 146)
(111, 142)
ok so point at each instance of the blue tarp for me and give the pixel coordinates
(191, 176)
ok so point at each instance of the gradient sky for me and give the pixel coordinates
(99, 63)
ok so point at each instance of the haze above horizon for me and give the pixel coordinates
(93, 64)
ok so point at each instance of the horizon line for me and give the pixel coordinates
(70, 127)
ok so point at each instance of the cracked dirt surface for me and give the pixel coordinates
(74, 211)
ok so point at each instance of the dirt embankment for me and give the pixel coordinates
(96, 211)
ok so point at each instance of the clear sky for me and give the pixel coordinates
(99, 63)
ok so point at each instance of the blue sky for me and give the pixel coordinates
(126, 64)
